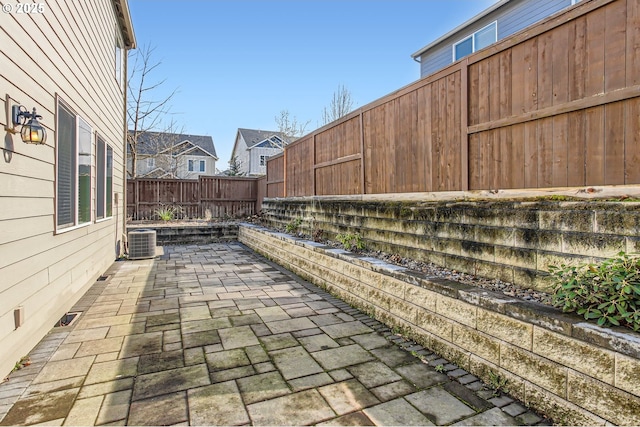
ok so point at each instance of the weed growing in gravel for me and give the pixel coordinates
(497, 383)
(293, 226)
(351, 241)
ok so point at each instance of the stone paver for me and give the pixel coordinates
(216, 335)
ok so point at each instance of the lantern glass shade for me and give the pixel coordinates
(33, 132)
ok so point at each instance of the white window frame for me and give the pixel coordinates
(263, 160)
(151, 162)
(89, 133)
(78, 122)
(473, 40)
(197, 165)
(107, 197)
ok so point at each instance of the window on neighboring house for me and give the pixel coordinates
(476, 41)
(73, 169)
(151, 163)
(199, 164)
(104, 179)
(119, 60)
(263, 160)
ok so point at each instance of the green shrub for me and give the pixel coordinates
(351, 241)
(608, 292)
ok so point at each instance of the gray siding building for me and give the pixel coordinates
(498, 22)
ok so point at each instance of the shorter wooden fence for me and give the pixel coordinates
(205, 197)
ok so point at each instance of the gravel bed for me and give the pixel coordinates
(431, 269)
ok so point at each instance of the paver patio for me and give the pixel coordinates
(216, 335)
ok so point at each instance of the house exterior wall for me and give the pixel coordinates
(243, 156)
(66, 53)
(179, 165)
(143, 166)
(511, 18)
(255, 153)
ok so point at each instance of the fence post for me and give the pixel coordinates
(363, 188)
(313, 169)
(199, 190)
(464, 125)
(136, 189)
(284, 172)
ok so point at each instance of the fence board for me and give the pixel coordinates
(545, 71)
(594, 158)
(632, 145)
(560, 151)
(576, 133)
(518, 156)
(560, 65)
(614, 144)
(531, 155)
(615, 40)
(633, 44)
(594, 52)
(423, 138)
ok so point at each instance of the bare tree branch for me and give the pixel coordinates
(290, 127)
(143, 114)
(340, 106)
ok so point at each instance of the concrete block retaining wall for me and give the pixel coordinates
(514, 241)
(179, 234)
(576, 373)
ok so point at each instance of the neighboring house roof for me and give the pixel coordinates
(253, 137)
(150, 143)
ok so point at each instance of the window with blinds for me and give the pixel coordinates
(66, 166)
(100, 177)
(104, 179)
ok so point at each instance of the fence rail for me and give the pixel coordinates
(205, 197)
(555, 105)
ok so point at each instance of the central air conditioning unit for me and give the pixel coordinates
(142, 244)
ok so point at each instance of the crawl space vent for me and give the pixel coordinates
(142, 244)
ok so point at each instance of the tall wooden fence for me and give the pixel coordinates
(555, 105)
(206, 197)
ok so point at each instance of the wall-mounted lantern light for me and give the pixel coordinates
(32, 131)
